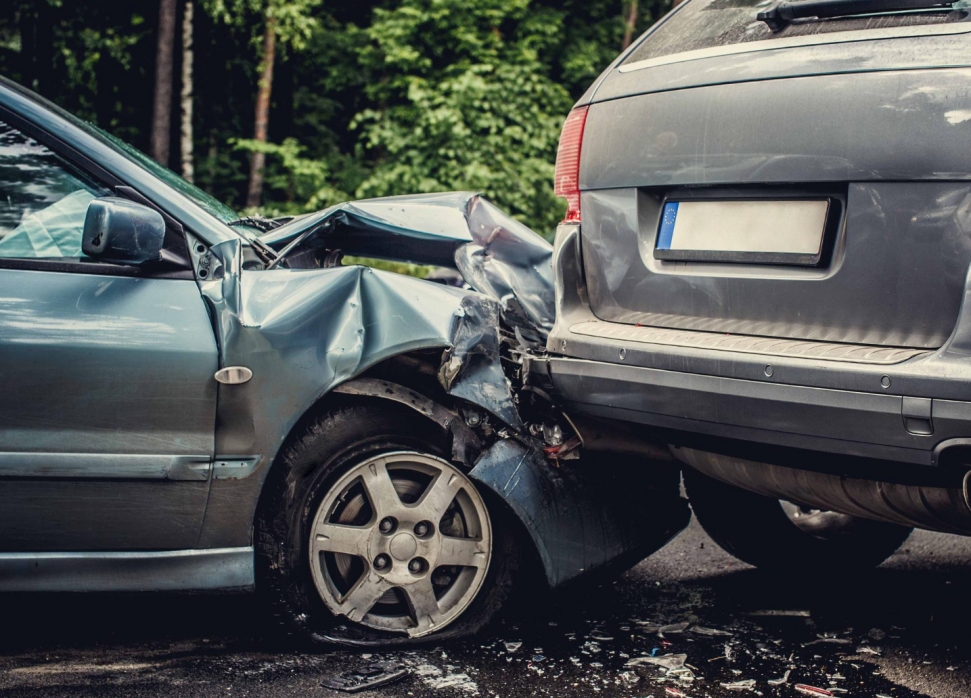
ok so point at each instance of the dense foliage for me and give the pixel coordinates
(369, 98)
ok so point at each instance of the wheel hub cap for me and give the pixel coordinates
(403, 546)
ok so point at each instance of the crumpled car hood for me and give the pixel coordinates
(306, 326)
(496, 254)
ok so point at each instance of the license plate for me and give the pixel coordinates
(771, 231)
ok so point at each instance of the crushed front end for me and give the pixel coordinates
(590, 494)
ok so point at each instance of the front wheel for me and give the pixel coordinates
(373, 537)
(777, 535)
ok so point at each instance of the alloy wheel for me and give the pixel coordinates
(400, 542)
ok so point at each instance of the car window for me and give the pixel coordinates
(708, 24)
(43, 200)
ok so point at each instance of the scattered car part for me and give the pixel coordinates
(666, 661)
(365, 678)
(741, 685)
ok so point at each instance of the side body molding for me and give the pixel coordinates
(160, 570)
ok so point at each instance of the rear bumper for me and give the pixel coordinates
(904, 412)
(693, 409)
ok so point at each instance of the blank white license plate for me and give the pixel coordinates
(771, 231)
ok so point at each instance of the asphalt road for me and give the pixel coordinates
(899, 632)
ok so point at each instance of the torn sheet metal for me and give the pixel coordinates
(471, 369)
(496, 254)
(582, 519)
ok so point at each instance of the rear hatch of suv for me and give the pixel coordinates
(801, 191)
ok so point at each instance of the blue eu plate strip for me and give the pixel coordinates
(668, 218)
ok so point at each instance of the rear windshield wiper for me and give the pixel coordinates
(779, 16)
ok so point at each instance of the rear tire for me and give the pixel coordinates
(322, 482)
(759, 531)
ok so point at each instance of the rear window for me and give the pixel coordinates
(705, 24)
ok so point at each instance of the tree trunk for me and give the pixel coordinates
(629, 25)
(261, 122)
(28, 48)
(162, 106)
(185, 97)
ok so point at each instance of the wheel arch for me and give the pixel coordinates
(418, 369)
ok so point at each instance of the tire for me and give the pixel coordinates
(334, 479)
(758, 530)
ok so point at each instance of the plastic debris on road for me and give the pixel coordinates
(366, 677)
(673, 665)
(766, 657)
(812, 690)
(663, 630)
(779, 613)
(743, 685)
(708, 632)
(676, 693)
(667, 661)
(673, 629)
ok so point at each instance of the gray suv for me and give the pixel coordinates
(765, 265)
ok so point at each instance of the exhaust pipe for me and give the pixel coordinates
(937, 508)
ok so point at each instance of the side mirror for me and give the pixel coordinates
(122, 232)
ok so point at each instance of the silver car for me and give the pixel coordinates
(765, 267)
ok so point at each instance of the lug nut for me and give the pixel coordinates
(381, 562)
(416, 565)
(386, 525)
(421, 528)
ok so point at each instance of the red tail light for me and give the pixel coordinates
(566, 179)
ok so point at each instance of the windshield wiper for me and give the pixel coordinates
(264, 251)
(268, 254)
(782, 14)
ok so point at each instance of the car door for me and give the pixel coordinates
(107, 396)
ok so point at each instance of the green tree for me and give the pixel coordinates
(287, 22)
(463, 101)
(361, 98)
